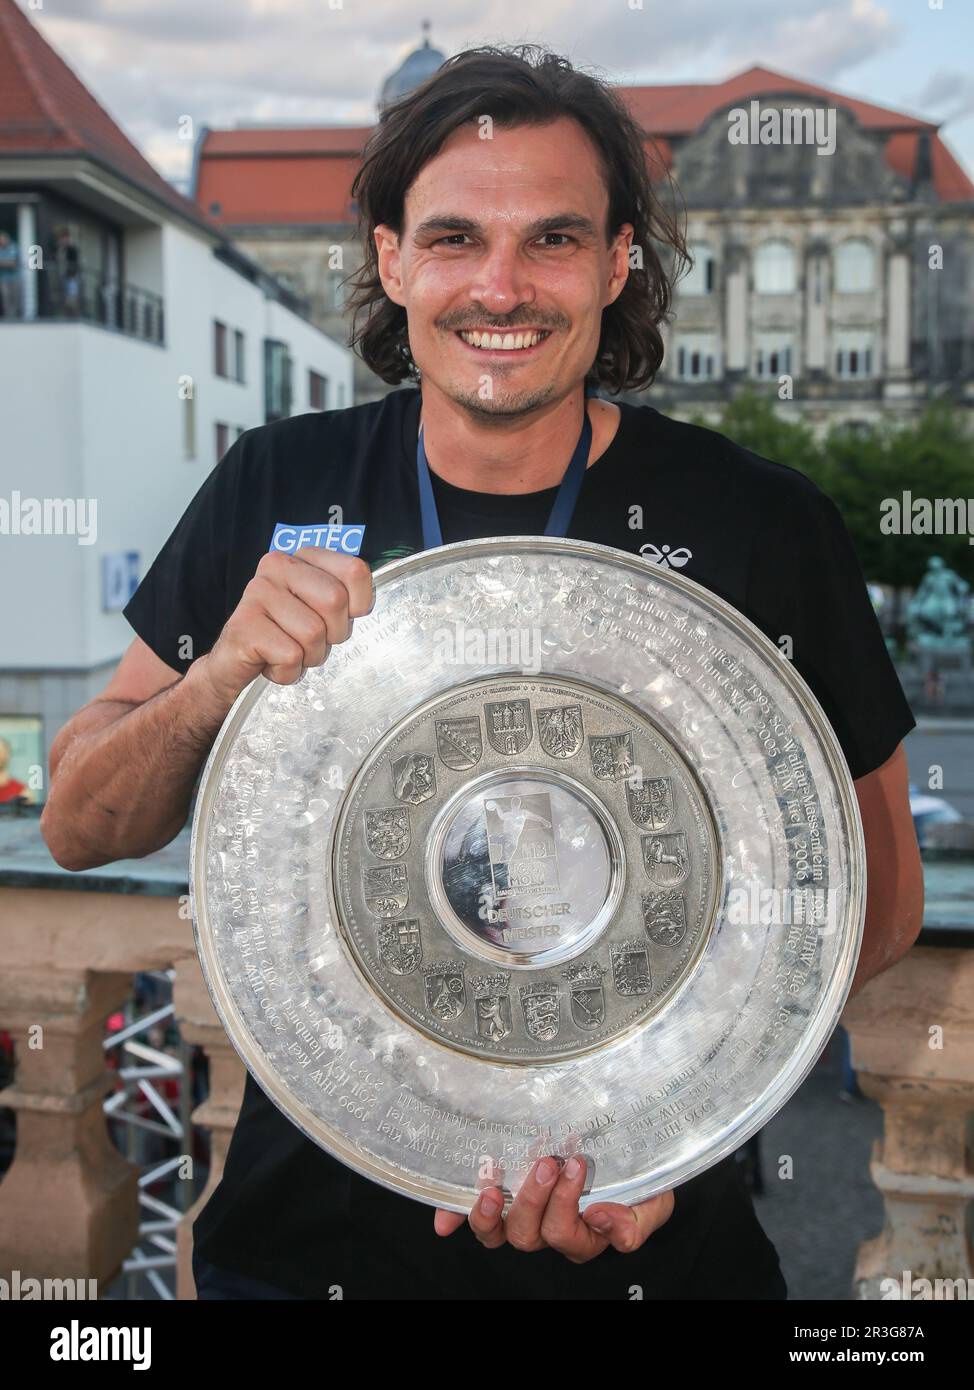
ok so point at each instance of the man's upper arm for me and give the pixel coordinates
(894, 901)
(884, 802)
(138, 676)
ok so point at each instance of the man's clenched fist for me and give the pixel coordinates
(289, 617)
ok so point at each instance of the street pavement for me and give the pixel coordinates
(948, 744)
(818, 1218)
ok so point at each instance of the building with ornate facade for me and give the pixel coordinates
(842, 278)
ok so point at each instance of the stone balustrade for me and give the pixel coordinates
(71, 943)
(912, 1037)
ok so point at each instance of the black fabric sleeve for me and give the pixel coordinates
(805, 582)
(182, 602)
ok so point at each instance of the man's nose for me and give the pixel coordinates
(502, 281)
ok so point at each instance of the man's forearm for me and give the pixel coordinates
(123, 783)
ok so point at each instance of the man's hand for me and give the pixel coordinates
(545, 1214)
(289, 617)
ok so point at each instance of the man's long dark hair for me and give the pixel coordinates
(522, 85)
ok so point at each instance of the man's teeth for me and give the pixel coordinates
(505, 341)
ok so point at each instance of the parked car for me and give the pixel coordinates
(930, 810)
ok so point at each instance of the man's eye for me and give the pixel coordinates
(563, 235)
(454, 237)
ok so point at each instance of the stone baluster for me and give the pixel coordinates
(200, 1026)
(68, 1203)
(912, 1034)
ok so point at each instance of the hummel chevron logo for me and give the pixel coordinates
(666, 557)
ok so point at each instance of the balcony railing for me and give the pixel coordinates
(86, 297)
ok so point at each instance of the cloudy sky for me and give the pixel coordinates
(229, 62)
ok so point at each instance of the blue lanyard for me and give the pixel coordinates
(565, 498)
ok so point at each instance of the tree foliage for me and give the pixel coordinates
(861, 467)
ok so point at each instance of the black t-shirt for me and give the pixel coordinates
(757, 533)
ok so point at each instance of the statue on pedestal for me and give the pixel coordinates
(938, 616)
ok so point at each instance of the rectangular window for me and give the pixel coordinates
(699, 278)
(238, 355)
(277, 380)
(222, 439)
(697, 358)
(317, 391)
(853, 354)
(219, 348)
(772, 356)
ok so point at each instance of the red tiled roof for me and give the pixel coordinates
(249, 173)
(45, 109)
(949, 179)
(250, 140)
(681, 109)
(266, 188)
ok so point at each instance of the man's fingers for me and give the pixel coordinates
(300, 621)
(486, 1219)
(626, 1228)
(528, 1208)
(446, 1222)
(561, 1225)
(350, 570)
(321, 591)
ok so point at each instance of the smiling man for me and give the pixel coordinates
(511, 268)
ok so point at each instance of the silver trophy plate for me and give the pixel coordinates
(556, 854)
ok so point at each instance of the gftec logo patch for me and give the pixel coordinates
(344, 540)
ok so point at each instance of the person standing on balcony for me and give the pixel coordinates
(69, 272)
(9, 276)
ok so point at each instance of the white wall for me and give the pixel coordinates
(97, 414)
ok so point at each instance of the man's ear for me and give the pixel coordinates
(389, 259)
(620, 261)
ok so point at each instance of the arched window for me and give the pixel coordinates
(699, 279)
(855, 266)
(775, 268)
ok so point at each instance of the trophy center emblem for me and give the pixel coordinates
(525, 868)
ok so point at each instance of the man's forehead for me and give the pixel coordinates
(550, 159)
